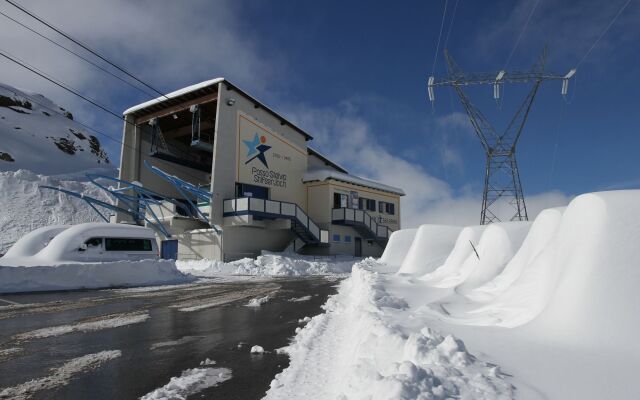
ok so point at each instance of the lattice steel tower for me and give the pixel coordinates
(502, 180)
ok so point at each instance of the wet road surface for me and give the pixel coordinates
(160, 333)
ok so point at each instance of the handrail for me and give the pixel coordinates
(363, 217)
(274, 207)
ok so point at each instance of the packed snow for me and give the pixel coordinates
(191, 381)
(69, 276)
(59, 376)
(105, 322)
(257, 349)
(270, 264)
(546, 309)
(257, 302)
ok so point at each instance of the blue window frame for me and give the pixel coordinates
(336, 237)
(347, 238)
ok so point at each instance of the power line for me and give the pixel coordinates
(435, 57)
(35, 101)
(87, 48)
(74, 92)
(55, 82)
(75, 54)
(524, 28)
(453, 18)
(603, 33)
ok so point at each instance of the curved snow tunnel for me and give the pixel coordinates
(398, 247)
(430, 248)
(461, 251)
(541, 233)
(498, 245)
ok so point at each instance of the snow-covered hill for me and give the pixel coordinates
(40, 136)
(24, 207)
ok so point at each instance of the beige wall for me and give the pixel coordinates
(227, 147)
(331, 187)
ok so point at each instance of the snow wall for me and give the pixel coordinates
(398, 247)
(571, 276)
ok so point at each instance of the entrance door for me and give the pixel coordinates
(169, 249)
(358, 243)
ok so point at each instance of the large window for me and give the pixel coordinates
(245, 190)
(340, 200)
(127, 244)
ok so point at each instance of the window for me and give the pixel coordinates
(336, 237)
(340, 200)
(390, 208)
(127, 244)
(93, 242)
(366, 204)
(244, 190)
(347, 239)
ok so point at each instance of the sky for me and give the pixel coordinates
(354, 74)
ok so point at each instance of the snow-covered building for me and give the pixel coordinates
(239, 178)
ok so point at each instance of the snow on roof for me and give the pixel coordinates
(171, 95)
(324, 174)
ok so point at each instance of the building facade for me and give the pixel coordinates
(233, 177)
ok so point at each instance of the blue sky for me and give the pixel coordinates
(354, 75)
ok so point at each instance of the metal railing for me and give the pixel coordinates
(361, 217)
(274, 208)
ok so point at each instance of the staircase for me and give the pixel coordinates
(363, 223)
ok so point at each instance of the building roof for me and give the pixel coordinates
(326, 174)
(198, 90)
(321, 156)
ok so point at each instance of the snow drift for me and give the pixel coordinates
(70, 276)
(430, 247)
(398, 247)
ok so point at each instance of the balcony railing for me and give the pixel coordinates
(275, 209)
(351, 216)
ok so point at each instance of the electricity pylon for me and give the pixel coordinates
(502, 179)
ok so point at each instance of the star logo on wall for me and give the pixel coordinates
(256, 149)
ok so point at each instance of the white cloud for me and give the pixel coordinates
(349, 140)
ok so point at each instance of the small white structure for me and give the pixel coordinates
(89, 242)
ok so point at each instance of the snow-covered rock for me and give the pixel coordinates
(40, 136)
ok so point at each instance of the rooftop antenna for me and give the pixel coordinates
(502, 179)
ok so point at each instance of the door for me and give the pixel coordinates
(358, 244)
(169, 250)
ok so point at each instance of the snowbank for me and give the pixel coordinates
(269, 265)
(429, 249)
(356, 350)
(554, 302)
(70, 276)
(398, 247)
(25, 207)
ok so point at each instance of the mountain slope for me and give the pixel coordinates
(38, 135)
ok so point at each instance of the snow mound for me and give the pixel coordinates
(429, 249)
(34, 241)
(25, 207)
(40, 136)
(398, 247)
(541, 233)
(268, 265)
(257, 349)
(355, 350)
(462, 251)
(69, 276)
(258, 301)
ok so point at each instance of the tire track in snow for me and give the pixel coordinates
(60, 376)
(104, 322)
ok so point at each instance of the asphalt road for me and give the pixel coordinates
(159, 332)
